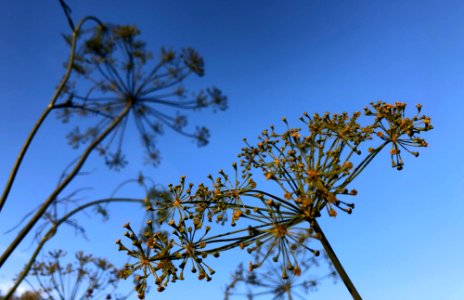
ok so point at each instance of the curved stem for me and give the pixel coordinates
(43, 208)
(44, 115)
(337, 264)
(53, 230)
(21, 154)
(28, 266)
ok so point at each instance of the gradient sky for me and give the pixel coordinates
(272, 59)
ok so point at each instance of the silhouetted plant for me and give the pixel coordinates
(116, 65)
(110, 79)
(88, 277)
(269, 282)
(313, 167)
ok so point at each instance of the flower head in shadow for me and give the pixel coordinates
(120, 78)
(88, 277)
(268, 283)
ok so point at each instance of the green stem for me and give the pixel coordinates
(337, 264)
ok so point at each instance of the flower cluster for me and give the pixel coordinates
(268, 282)
(121, 81)
(313, 167)
(402, 132)
(185, 210)
(94, 277)
(156, 255)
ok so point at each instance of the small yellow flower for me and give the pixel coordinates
(332, 212)
(348, 165)
(269, 175)
(236, 215)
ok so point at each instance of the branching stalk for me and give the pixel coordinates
(44, 115)
(28, 227)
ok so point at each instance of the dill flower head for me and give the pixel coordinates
(312, 167)
(268, 282)
(87, 277)
(119, 77)
(314, 164)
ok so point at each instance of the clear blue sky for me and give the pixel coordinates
(272, 59)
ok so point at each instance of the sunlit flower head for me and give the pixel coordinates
(315, 164)
(312, 168)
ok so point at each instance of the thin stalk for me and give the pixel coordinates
(43, 208)
(21, 154)
(337, 264)
(289, 294)
(53, 230)
(67, 13)
(45, 113)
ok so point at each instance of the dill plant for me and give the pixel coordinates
(313, 167)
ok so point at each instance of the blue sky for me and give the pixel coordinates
(272, 59)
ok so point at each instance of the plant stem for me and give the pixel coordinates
(337, 264)
(21, 154)
(44, 115)
(43, 208)
(53, 230)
